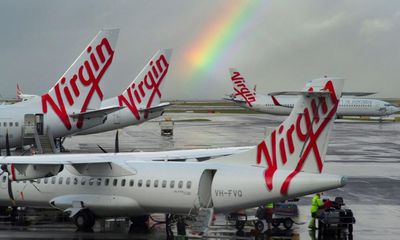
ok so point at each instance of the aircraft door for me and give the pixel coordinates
(204, 194)
(29, 124)
(39, 124)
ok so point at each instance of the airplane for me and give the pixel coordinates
(22, 96)
(286, 164)
(140, 101)
(71, 105)
(276, 105)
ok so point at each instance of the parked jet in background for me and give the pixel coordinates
(22, 96)
(283, 105)
(141, 99)
(287, 164)
(72, 105)
(19, 97)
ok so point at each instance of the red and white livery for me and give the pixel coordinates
(72, 104)
(281, 103)
(287, 164)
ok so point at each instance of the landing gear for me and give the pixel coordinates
(168, 224)
(140, 223)
(84, 220)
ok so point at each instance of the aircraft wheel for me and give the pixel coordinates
(240, 225)
(84, 220)
(140, 223)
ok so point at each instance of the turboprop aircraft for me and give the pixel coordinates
(287, 164)
(140, 101)
(72, 105)
(276, 104)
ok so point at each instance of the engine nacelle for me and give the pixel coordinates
(18, 172)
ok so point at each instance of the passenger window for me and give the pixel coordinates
(38, 181)
(98, 181)
(189, 185)
(60, 180)
(140, 183)
(75, 181)
(156, 183)
(148, 183)
(91, 181)
(68, 180)
(123, 181)
(115, 182)
(131, 182)
(180, 184)
(172, 184)
(11, 124)
(16, 124)
(83, 181)
(4, 124)
(46, 180)
(107, 181)
(164, 183)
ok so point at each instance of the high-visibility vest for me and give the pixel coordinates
(316, 203)
(269, 205)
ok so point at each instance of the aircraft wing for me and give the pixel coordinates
(235, 100)
(296, 93)
(103, 165)
(156, 108)
(358, 94)
(71, 159)
(96, 113)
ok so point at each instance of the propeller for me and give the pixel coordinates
(5, 170)
(116, 144)
(116, 147)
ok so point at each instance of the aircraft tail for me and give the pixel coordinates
(78, 89)
(300, 143)
(19, 92)
(240, 88)
(146, 90)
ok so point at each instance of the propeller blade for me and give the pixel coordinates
(8, 152)
(33, 184)
(116, 149)
(102, 149)
(10, 193)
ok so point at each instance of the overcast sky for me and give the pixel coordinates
(278, 45)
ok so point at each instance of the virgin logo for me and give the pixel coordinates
(150, 84)
(89, 75)
(307, 137)
(241, 88)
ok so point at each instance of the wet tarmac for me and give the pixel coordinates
(368, 153)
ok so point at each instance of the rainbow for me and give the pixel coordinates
(211, 44)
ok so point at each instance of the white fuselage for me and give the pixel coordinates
(20, 118)
(347, 106)
(162, 187)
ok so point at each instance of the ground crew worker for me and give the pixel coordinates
(316, 204)
(269, 210)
